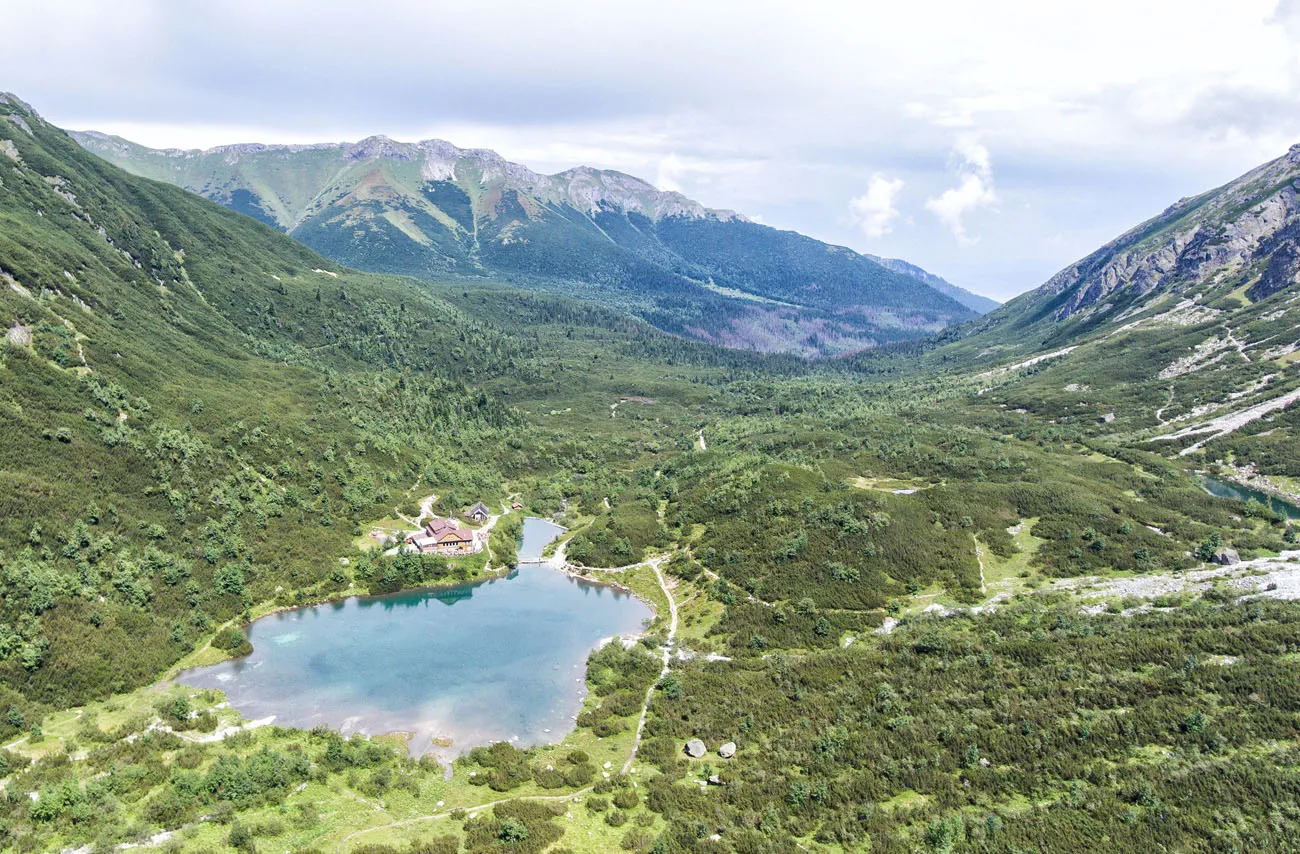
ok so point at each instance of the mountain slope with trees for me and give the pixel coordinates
(1181, 334)
(890, 574)
(432, 210)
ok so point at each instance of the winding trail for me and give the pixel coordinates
(426, 511)
(1161, 411)
(667, 654)
(474, 810)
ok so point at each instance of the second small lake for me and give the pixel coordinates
(1220, 488)
(537, 535)
(500, 660)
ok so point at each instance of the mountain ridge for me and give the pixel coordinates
(1245, 231)
(434, 210)
(665, 202)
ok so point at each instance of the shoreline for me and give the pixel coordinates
(1259, 482)
(441, 745)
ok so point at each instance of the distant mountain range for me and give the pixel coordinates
(435, 211)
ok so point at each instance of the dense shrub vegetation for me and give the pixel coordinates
(200, 418)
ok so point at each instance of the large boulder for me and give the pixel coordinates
(727, 750)
(1226, 557)
(19, 335)
(695, 748)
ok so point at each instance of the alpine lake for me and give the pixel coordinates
(453, 668)
(1220, 488)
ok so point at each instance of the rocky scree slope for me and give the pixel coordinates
(1183, 331)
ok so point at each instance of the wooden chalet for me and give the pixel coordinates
(443, 537)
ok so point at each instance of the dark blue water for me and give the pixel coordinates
(537, 534)
(502, 660)
(1227, 489)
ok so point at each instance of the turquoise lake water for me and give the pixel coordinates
(1227, 489)
(501, 660)
(537, 534)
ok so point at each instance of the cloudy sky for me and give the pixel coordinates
(990, 142)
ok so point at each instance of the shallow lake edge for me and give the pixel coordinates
(176, 674)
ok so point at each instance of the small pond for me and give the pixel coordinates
(1221, 488)
(537, 535)
(501, 660)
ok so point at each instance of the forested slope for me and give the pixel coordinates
(904, 583)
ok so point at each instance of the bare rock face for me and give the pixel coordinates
(1250, 224)
(727, 750)
(695, 748)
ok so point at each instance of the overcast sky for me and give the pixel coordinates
(991, 142)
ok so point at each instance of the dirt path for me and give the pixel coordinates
(1168, 403)
(979, 556)
(426, 511)
(704, 446)
(667, 654)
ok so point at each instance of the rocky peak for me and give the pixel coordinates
(584, 187)
(9, 99)
(377, 147)
(1247, 225)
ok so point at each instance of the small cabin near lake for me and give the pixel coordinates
(478, 513)
(443, 537)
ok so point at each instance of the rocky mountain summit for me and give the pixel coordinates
(584, 188)
(436, 211)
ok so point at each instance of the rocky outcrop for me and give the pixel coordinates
(19, 335)
(1227, 557)
(1249, 226)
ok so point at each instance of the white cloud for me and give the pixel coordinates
(671, 170)
(974, 189)
(876, 209)
(777, 117)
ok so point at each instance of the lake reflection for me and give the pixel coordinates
(501, 660)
